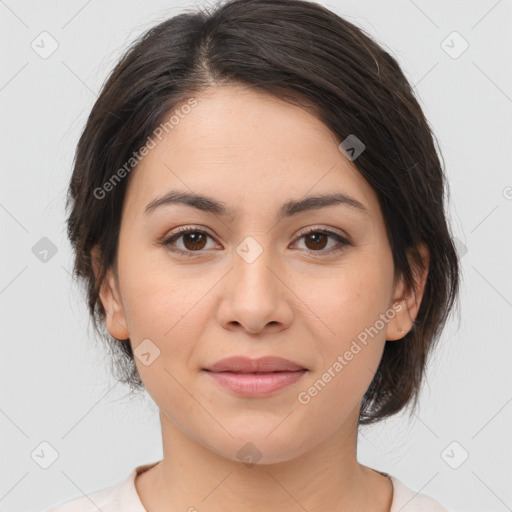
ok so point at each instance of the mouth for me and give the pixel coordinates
(253, 378)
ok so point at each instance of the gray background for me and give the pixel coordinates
(56, 387)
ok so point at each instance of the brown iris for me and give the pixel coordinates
(317, 239)
(198, 240)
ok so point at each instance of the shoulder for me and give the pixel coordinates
(407, 500)
(106, 500)
(121, 497)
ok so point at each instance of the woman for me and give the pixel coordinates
(257, 212)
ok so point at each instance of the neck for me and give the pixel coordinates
(192, 477)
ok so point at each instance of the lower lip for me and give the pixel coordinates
(256, 384)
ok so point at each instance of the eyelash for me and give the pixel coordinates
(182, 231)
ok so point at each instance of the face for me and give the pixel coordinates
(312, 285)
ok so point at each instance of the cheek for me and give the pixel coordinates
(152, 296)
(352, 298)
(160, 310)
(164, 308)
(350, 304)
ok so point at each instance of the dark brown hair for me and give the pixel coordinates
(303, 53)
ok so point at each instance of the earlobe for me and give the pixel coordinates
(110, 298)
(406, 301)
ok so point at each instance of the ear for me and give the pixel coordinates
(115, 319)
(406, 302)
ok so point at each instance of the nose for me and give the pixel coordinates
(254, 294)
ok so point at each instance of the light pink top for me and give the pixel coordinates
(123, 497)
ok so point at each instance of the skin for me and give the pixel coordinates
(255, 152)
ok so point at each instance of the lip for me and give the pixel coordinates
(242, 364)
(256, 384)
(255, 377)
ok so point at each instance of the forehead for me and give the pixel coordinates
(245, 147)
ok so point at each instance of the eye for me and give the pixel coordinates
(194, 240)
(316, 238)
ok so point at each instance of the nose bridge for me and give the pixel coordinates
(252, 261)
(253, 296)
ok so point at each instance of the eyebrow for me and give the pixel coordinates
(288, 209)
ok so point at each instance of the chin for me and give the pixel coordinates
(258, 447)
